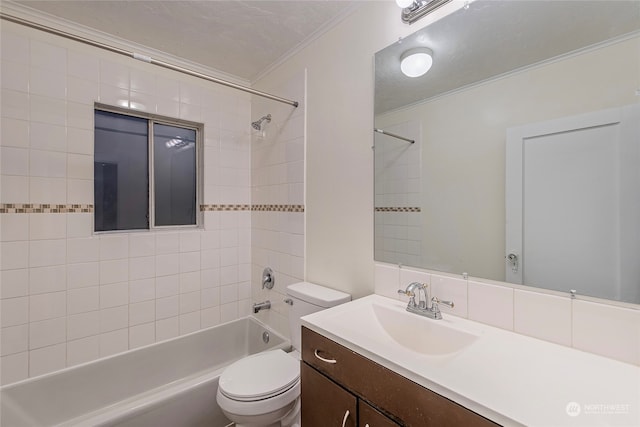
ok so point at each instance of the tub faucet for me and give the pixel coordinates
(427, 307)
(264, 305)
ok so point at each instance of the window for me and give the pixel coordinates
(145, 172)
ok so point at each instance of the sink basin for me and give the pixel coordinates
(422, 335)
(381, 325)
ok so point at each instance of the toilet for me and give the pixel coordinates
(263, 390)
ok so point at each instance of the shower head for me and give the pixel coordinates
(257, 125)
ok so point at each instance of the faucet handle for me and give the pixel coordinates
(436, 301)
(411, 295)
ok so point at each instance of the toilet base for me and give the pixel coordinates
(292, 419)
(289, 416)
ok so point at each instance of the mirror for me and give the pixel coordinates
(525, 163)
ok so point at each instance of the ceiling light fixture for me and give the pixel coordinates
(416, 62)
(412, 10)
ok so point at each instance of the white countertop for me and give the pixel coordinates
(507, 377)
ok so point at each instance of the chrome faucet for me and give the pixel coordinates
(264, 305)
(427, 307)
(411, 293)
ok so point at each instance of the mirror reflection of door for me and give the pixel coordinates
(572, 203)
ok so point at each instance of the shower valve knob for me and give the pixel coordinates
(268, 278)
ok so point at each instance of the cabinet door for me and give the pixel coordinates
(368, 416)
(324, 403)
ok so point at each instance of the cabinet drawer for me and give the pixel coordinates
(405, 400)
(329, 357)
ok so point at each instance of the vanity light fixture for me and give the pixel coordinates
(405, 3)
(412, 10)
(416, 62)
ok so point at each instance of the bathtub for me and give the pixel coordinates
(171, 383)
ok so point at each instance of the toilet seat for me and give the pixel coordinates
(260, 376)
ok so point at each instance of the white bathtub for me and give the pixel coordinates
(172, 383)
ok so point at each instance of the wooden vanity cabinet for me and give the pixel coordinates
(324, 403)
(330, 372)
(368, 416)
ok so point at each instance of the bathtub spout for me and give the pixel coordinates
(265, 305)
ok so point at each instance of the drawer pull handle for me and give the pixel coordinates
(327, 361)
(344, 420)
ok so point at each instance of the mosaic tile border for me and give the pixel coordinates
(398, 209)
(217, 208)
(278, 208)
(257, 208)
(10, 208)
(44, 208)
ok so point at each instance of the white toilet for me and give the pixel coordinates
(263, 390)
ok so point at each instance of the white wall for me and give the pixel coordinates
(339, 177)
(68, 295)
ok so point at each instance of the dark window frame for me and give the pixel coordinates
(199, 172)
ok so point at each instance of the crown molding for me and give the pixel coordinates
(24, 12)
(309, 40)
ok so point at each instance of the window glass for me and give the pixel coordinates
(174, 170)
(121, 172)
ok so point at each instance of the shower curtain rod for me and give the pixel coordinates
(384, 132)
(145, 58)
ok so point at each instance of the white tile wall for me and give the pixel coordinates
(15, 339)
(603, 329)
(385, 277)
(114, 342)
(47, 359)
(554, 325)
(68, 295)
(167, 328)
(14, 227)
(277, 177)
(14, 367)
(609, 331)
(491, 304)
(83, 350)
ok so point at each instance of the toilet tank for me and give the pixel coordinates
(308, 298)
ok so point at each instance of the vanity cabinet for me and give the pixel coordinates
(335, 379)
(325, 403)
(368, 416)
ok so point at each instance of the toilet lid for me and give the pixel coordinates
(260, 376)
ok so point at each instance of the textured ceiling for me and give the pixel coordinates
(242, 38)
(495, 37)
